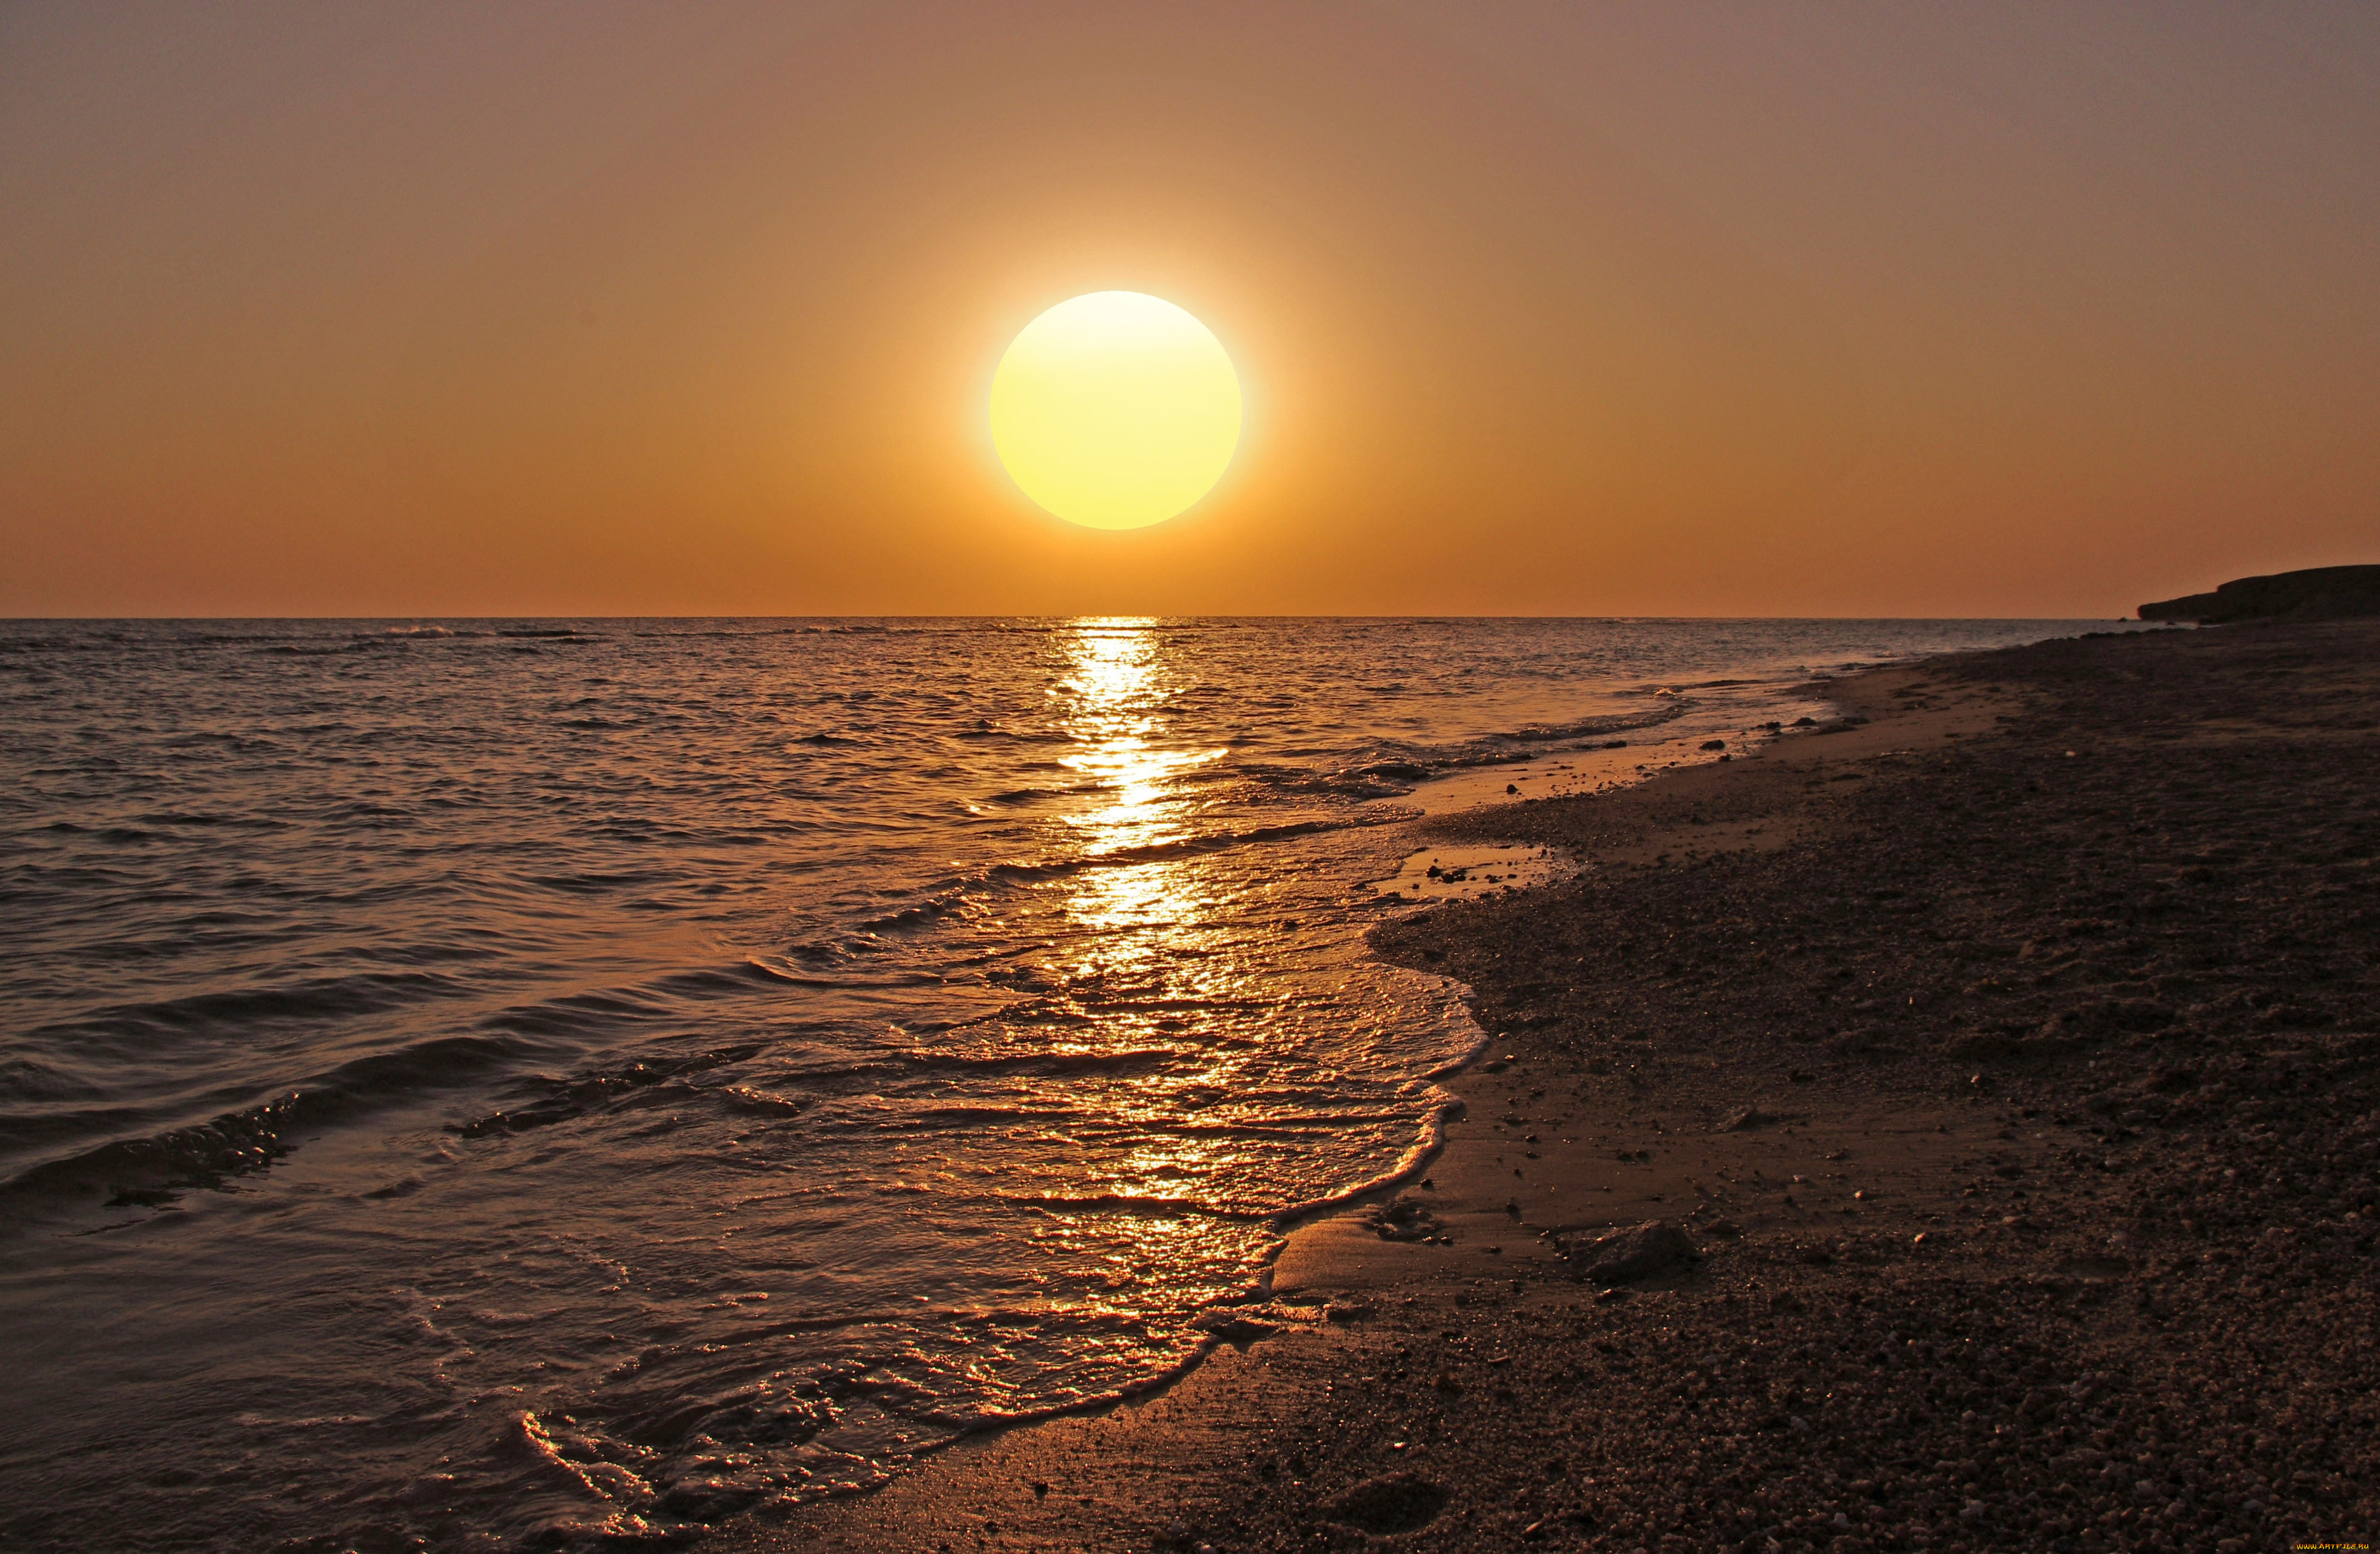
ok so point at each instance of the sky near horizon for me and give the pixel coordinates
(1537, 308)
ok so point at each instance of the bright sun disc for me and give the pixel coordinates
(1115, 410)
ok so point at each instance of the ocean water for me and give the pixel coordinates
(471, 1083)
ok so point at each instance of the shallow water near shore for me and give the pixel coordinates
(467, 1081)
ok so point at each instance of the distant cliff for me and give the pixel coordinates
(2317, 593)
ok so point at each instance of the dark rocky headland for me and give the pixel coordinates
(2007, 1057)
(2316, 593)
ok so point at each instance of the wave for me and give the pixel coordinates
(1129, 1060)
(548, 1100)
(1393, 771)
(1028, 795)
(1587, 728)
(1188, 846)
(1409, 1164)
(1131, 1203)
(573, 1016)
(917, 915)
(33, 1077)
(152, 1169)
(328, 998)
(772, 973)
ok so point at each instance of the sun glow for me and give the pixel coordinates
(1115, 410)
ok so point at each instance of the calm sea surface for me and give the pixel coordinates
(472, 1081)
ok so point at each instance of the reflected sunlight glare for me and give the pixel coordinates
(1114, 701)
(1152, 925)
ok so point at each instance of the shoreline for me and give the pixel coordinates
(2011, 1285)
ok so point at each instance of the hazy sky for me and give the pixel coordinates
(1733, 309)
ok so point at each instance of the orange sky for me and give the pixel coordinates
(1540, 308)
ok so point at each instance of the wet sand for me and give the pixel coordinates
(2008, 1061)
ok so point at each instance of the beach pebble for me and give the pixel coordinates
(1233, 1329)
(1643, 1250)
(1396, 1502)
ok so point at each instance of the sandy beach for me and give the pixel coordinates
(1999, 1063)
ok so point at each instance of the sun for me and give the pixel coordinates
(1115, 410)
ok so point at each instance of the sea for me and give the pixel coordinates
(474, 1085)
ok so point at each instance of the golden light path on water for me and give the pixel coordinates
(1145, 920)
(1112, 701)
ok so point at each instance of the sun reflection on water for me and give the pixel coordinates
(1154, 937)
(1112, 701)
(1147, 924)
